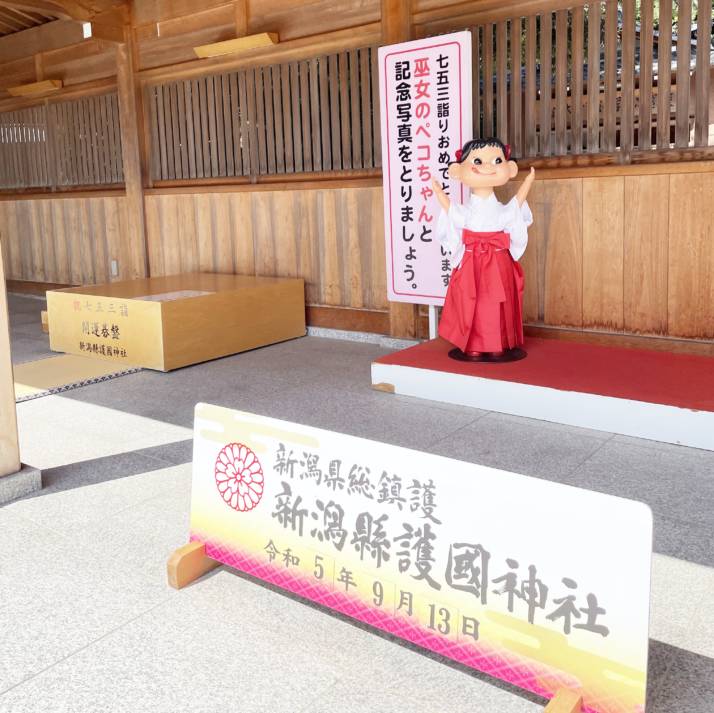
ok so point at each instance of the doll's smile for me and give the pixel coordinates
(479, 170)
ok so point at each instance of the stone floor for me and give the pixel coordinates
(89, 623)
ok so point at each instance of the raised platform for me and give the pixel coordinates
(647, 394)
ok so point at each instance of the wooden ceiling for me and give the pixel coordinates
(15, 20)
(19, 15)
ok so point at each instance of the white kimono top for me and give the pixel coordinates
(484, 215)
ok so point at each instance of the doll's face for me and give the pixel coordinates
(484, 168)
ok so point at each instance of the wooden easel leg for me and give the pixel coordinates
(565, 700)
(188, 563)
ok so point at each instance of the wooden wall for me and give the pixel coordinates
(614, 249)
(332, 237)
(66, 240)
(631, 254)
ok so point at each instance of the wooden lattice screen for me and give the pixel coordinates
(68, 143)
(596, 78)
(23, 148)
(320, 114)
(87, 141)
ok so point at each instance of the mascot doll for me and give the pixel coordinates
(482, 313)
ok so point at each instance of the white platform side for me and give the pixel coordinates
(657, 422)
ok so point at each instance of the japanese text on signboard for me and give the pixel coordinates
(426, 116)
(404, 541)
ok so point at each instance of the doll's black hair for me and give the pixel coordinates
(469, 146)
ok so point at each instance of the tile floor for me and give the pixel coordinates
(89, 623)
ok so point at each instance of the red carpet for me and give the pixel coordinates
(680, 380)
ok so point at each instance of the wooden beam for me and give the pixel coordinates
(26, 18)
(453, 16)
(51, 36)
(11, 20)
(80, 11)
(213, 17)
(9, 448)
(113, 14)
(109, 25)
(109, 33)
(354, 178)
(129, 101)
(353, 320)
(35, 88)
(65, 9)
(97, 86)
(238, 44)
(302, 48)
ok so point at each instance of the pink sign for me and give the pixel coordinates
(425, 96)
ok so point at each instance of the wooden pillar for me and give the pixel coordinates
(129, 105)
(9, 450)
(397, 27)
(241, 13)
(396, 21)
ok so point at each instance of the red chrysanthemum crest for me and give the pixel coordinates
(239, 477)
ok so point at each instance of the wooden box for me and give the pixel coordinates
(168, 322)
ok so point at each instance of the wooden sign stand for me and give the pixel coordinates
(565, 700)
(189, 562)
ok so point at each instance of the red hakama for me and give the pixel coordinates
(484, 302)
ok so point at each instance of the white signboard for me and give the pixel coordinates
(537, 583)
(425, 100)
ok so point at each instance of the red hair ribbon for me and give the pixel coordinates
(507, 152)
(458, 154)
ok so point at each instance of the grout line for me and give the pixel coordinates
(458, 430)
(167, 463)
(603, 443)
(86, 646)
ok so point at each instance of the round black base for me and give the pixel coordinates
(490, 357)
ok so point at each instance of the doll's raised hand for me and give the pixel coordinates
(443, 199)
(525, 187)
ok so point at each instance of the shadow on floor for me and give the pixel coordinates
(114, 467)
